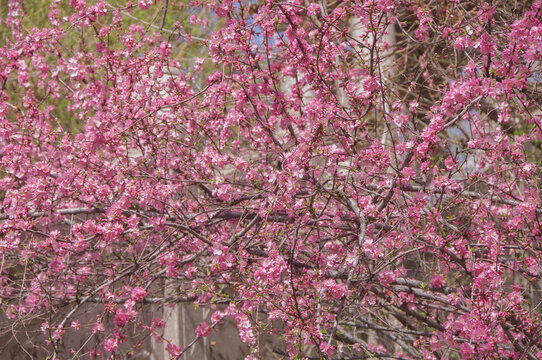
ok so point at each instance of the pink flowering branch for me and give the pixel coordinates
(350, 178)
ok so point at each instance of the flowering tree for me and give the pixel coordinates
(359, 178)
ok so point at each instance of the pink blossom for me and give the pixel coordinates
(158, 323)
(98, 327)
(174, 350)
(203, 329)
(138, 294)
(144, 4)
(437, 281)
(450, 163)
(111, 345)
(122, 318)
(326, 348)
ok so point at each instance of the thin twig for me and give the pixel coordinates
(164, 14)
